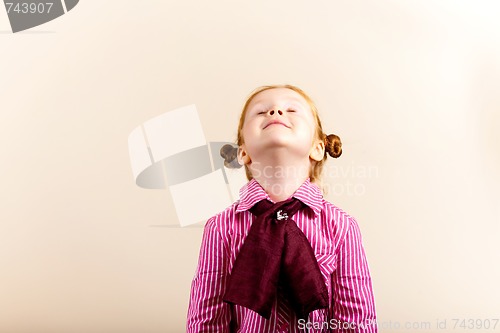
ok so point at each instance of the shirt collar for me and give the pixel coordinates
(252, 192)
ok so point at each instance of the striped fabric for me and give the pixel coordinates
(336, 240)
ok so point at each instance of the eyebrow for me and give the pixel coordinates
(259, 101)
(291, 97)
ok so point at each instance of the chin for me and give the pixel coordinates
(290, 146)
(279, 142)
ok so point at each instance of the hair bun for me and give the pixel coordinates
(230, 153)
(333, 145)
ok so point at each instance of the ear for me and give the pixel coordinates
(317, 151)
(243, 157)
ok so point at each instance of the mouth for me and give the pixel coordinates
(275, 122)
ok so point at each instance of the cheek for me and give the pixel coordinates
(246, 133)
(309, 128)
(314, 130)
(249, 126)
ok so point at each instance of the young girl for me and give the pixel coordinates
(282, 258)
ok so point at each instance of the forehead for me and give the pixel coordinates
(277, 95)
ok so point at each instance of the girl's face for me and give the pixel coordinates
(279, 117)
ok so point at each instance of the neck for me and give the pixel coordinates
(280, 176)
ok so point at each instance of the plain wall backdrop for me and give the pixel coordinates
(410, 86)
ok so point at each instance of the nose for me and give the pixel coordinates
(271, 112)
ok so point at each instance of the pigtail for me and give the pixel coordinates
(230, 155)
(333, 145)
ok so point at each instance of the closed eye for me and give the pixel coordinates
(290, 110)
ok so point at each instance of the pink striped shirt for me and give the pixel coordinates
(336, 240)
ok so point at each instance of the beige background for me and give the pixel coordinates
(410, 86)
